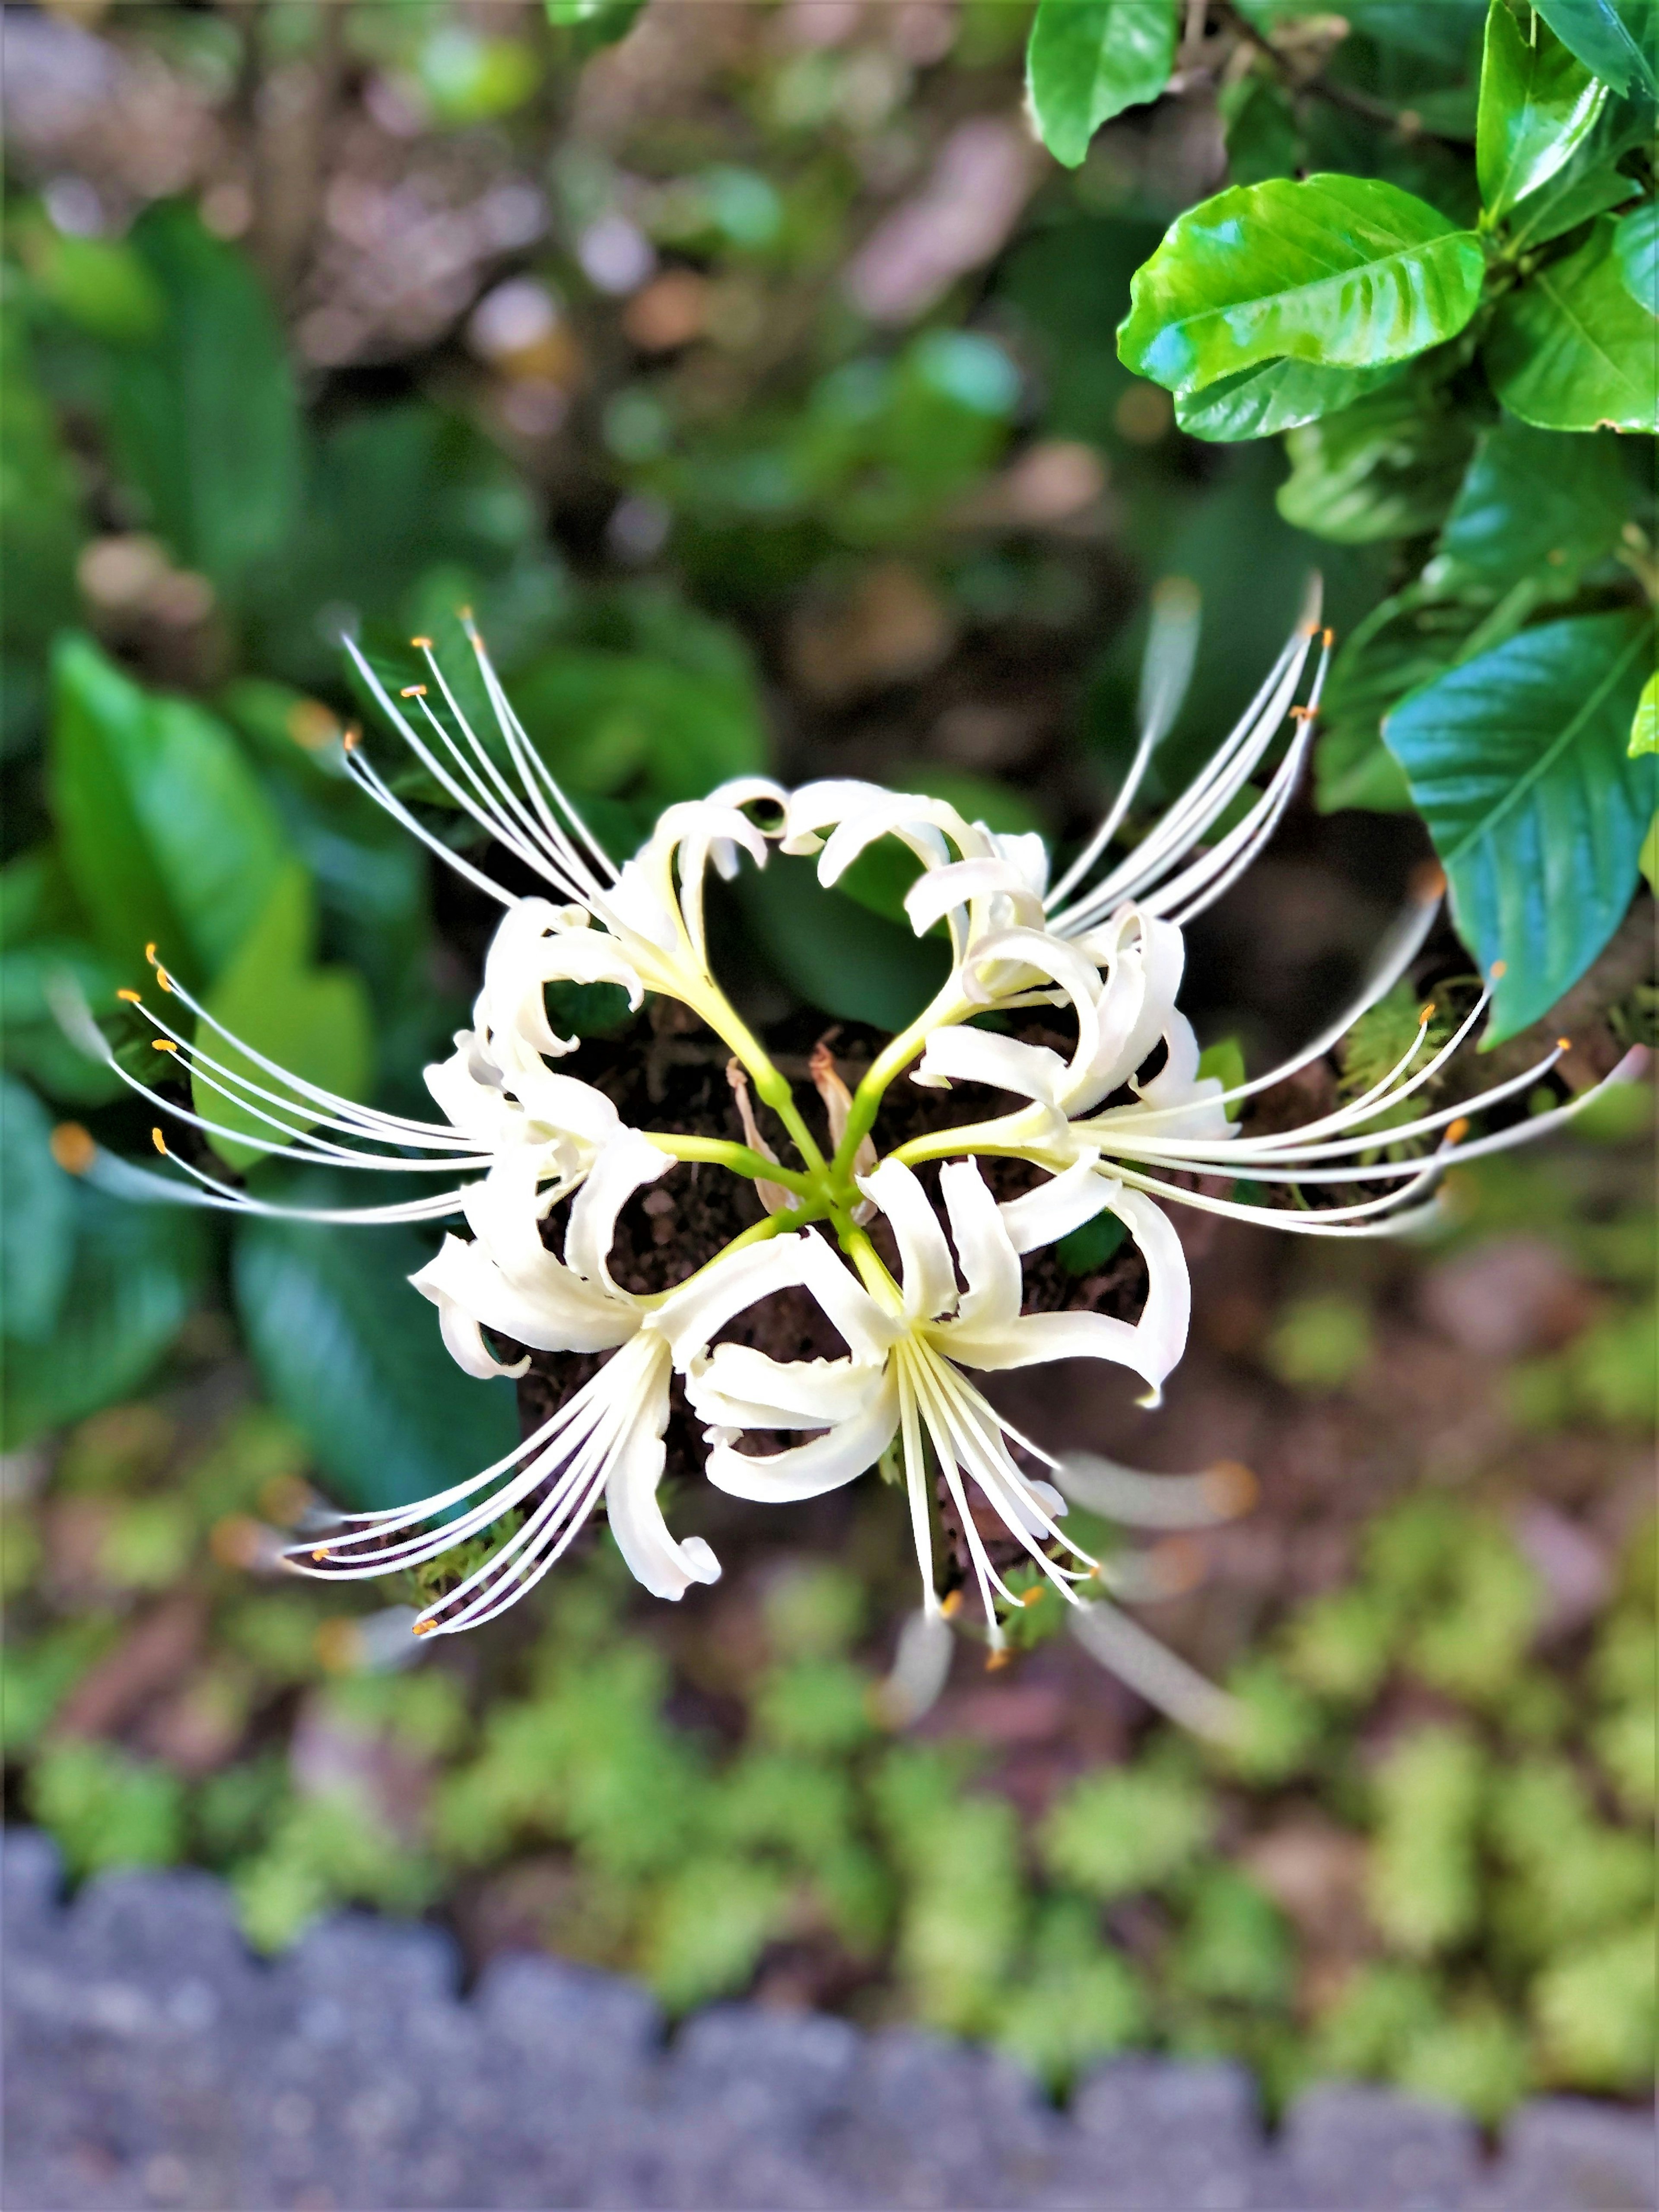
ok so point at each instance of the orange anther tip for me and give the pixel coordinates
(1034, 1597)
(1458, 1131)
(423, 1628)
(162, 1044)
(132, 997)
(150, 953)
(159, 1142)
(321, 1552)
(351, 738)
(1499, 967)
(995, 1659)
(413, 691)
(1563, 1044)
(72, 1148)
(1302, 714)
(1328, 640)
(1428, 880)
(951, 1605)
(422, 644)
(163, 978)
(1427, 1014)
(1310, 629)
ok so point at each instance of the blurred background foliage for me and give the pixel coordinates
(751, 371)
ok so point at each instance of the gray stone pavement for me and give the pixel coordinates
(150, 2061)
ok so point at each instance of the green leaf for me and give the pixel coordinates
(40, 533)
(1538, 104)
(838, 955)
(1572, 196)
(597, 23)
(1347, 271)
(1572, 350)
(37, 1218)
(1517, 763)
(1263, 140)
(136, 1273)
(1648, 859)
(1278, 395)
(100, 283)
(352, 1356)
(1089, 59)
(165, 832)
(314, 1021)
(206, 419)
(605, 721)
(1635, 243)
(1614, 38)
(1533, 501)
(1387, 467)
(1644, 725)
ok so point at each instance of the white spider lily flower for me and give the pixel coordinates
(606, 1441)
(906, 1348)
(557, 1125)
(640, 925)
(1120, 1017)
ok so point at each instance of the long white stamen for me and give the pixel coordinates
(365, 776)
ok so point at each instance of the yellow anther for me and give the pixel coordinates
(995, 1659)
(423, 1628)
(1426, 1015)
(1328, 640)
(132, 997)
(413, 691)
(72, 1148)
(163, 978)
(1563, 1044)
(1302, 714)
(351, 738)
(321, 1552)
(162, 1044)
(1499, 967)
(951, 1605)
(159, 1142)
(150, 953)
(422, 644)
(1458, 1131)
(1035, 1596)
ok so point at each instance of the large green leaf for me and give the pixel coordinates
(31, 1036)
(1405, 642)
(838, 955)
(605, 721)
(1614, 38)
(1572, 196)
(1538, 104)
(37, 1218)
(1534, 503)
(1572, 350)
(1089, 59)
(352, 1356)
(596, 23)
(41, 532)
(1277, 395)
(313, 1021)
(1387, 467)
(136, 1273)
(165, 831)
(206, 421)
(1644, 723)
(1636, 242)
(1517, 761)
(1347, 271)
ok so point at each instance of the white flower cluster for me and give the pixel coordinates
(520, 1137)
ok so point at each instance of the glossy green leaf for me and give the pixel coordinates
(1538, 104)
(1089, 59)
(206, 421)
(1648, 859)
(1573, 196)
(1347, 271)
(1277, 395)
(351, 1355)
(1534, 501)
(839, 956)
(596, 22)
(136, 1274)
(165, 831)
(313, 1021)
(33, 1041)
(1616, 39)
(1635, 243)
(1571, 350)
(1644, 723)
(1518, 763)
(1405, 642)
(37, 1218)
(1387, 467)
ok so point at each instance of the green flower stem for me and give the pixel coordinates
(771, 1086)
(949, 1006)
(1011, 1134)
(723, 1153)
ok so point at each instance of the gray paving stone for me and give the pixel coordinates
(150, 2061)
(1566, 2151)
(1364, 2150)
